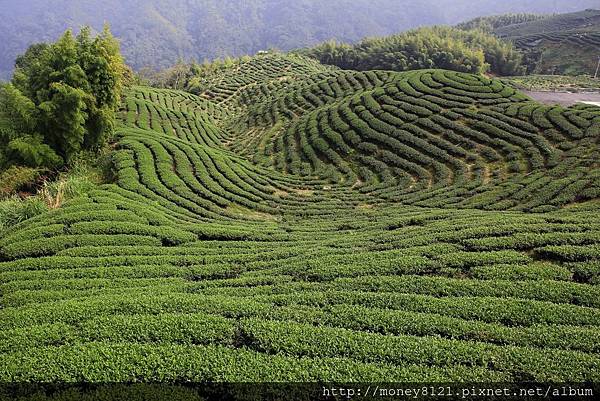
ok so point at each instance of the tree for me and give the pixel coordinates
(18, 137)
(63, 118)
(63, 99)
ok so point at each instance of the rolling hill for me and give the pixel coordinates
(158, 33)
(296, 222)
(560, 44)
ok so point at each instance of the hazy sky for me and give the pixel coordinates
(157, 32)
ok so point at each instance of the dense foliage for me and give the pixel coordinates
(436, 47)
(296, 222)
(156, 33)
(62, 99)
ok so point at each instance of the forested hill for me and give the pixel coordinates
(156, 33)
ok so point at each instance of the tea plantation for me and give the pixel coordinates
(558, 44)
(295, 222)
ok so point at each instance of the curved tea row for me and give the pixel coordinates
(298, 223)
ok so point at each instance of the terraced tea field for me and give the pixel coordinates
(560, 44)
(293, 222)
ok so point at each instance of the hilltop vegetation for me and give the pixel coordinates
(290, 221)
(156, 33)
(436, 47)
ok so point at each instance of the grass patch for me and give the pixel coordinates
(15, 210)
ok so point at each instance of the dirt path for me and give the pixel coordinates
(564, 98)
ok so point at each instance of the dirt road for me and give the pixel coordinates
(564, 98)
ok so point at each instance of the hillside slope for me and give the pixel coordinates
(580, 21)
(565, 43)
(157, 33)
(294, 222)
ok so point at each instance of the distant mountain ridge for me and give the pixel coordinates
(587, 20)
(157, 33)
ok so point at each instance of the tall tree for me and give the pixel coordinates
(69, 90)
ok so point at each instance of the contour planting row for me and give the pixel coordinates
(578, 38)
(142, 319)
(441, 131)
(300, 223)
